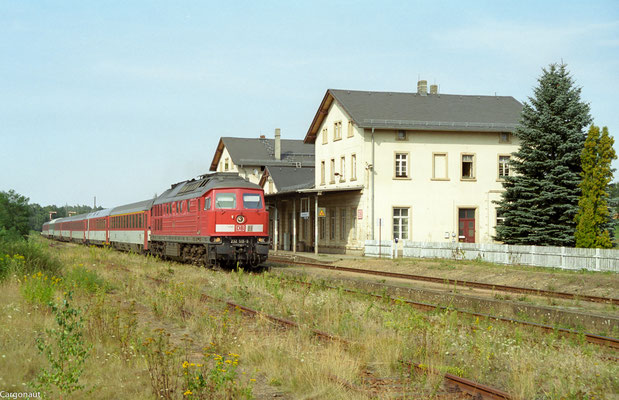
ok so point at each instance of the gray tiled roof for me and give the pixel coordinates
(391, 110)
(244, 151)
(289, 179)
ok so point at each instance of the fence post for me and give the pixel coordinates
(563, 257)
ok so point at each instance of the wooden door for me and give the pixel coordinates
(466, 225)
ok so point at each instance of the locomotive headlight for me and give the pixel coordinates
(262, 240)
(215, 239)
(240, 219)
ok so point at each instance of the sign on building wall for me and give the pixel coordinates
(359, 213)
(322, 212)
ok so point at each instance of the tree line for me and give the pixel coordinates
(20, 217)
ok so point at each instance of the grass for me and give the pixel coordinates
(148, 325)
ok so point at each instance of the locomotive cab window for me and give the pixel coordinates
(252, 201)
(207, 203)
(225, 200)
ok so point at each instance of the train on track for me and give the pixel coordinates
(219, 219)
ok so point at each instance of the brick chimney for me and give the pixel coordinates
(422, 87)
(278, 144)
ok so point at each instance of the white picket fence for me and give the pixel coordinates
(384, 248)
(540, 256)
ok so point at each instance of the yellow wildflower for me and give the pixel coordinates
(185, 364)
(187, 393)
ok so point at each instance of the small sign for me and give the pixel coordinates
(322, 212)
(360, 213)
(305, 214)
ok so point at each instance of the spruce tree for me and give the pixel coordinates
(540, 201)
(593, 217)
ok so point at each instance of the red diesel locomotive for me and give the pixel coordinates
(218, 219)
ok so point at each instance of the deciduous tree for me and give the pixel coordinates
(594, 217)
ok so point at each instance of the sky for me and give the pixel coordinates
(119, 99)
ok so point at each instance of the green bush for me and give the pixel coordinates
(80, 277)
(39, 288)
(24, 257)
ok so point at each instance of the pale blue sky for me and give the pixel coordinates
(119, 99)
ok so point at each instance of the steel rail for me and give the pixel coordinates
(483, 392)
(445, 281)
(589, 337)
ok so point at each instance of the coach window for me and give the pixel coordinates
(252, 201)
(225, 200)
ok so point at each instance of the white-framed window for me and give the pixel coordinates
(226, 165)
(401, 165)
(351, 131)
(439, 166)
(325, 136)
(337, 130)
(342, 168)
(468, 166)
(400, 223)
(353, 167)
(332, 176)
(322, 172)
(504, 166)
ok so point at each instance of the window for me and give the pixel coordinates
(439, 166)
(353, 167)
(503, 166)
(342, 168)
(401, 165)
(343, 224)
(225, 200)
(188, 205)
(400, 135)
(505, 137)
(500, 218)
(332, 217)
(332, 180)
(226, 166)
(468, 166)
(180, 206)
(400, 223)
(322, 172)
(325, 136)
(351, 132)
(252, 201)
(337, 130)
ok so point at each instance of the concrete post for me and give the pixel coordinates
(316, 225)
(294, 225)
(275, 229)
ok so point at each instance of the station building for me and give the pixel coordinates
(414, 166)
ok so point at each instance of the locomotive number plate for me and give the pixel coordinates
(239, 241)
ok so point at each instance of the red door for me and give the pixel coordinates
(466, 225)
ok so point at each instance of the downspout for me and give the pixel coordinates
(372, 180)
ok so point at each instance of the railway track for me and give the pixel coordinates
(475, 389)
(589, 337)
(446, 281)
